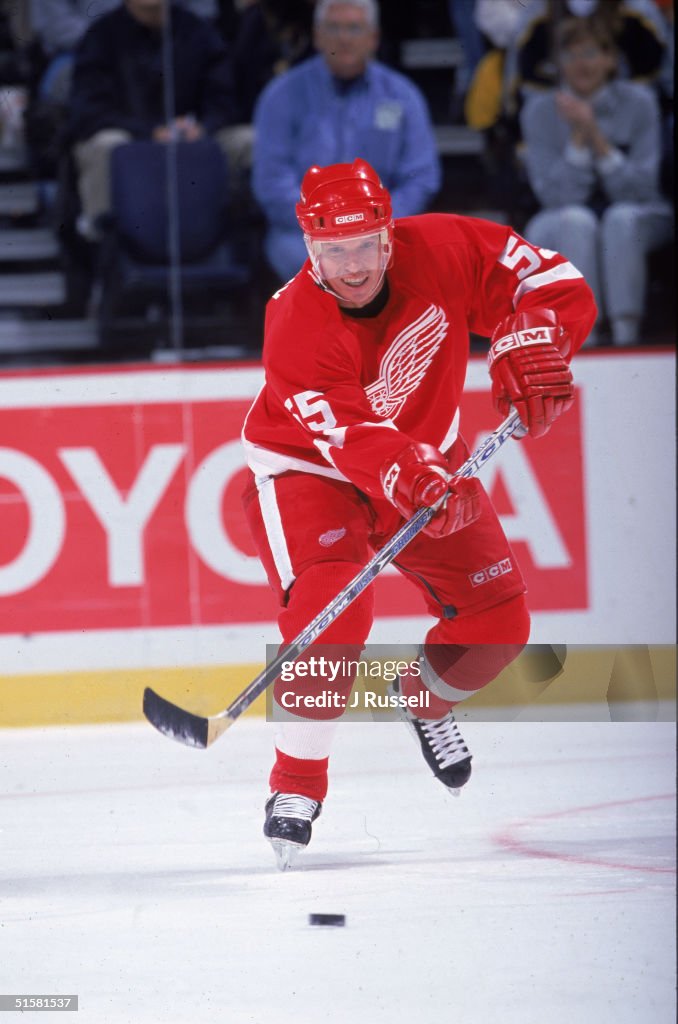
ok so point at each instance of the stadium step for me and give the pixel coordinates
(458, 140)
(19, 199)
(27, 244)
(23, 337)
(12, 161)
(36, 290)
(416, 54)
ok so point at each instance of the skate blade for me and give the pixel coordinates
(286, 853)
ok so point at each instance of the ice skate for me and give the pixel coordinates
(288, 825)
(442, 747)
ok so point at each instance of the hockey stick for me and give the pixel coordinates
(200, 731)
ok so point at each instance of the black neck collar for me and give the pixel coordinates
(373, 307)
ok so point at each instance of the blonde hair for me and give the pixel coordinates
(573, 31)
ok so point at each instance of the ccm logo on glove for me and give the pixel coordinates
(529, 370)
(520, 339)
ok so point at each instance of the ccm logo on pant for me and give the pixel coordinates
(491, 572)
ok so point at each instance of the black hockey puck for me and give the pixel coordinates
(333, 920)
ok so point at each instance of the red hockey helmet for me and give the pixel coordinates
(343, 200)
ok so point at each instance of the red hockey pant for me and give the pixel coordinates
(314, 534)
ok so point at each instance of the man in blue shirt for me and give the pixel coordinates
(334, 108)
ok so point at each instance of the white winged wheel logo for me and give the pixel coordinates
(406, 361)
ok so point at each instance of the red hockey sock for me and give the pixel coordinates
(468, 653)
(294, 775)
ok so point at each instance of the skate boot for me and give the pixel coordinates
(289, 818)
(442, 746)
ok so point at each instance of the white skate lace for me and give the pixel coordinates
(291, 805)
(445, 741)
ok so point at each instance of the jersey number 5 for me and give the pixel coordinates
(313, 410)
(515, 251)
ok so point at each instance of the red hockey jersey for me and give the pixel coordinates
(344, 394)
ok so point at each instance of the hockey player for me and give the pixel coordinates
(358, 425)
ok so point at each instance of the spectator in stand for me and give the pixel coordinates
(117, 94)
(637, 27)
(13, 76)
(667, 86)
(592, 153)
(338, 106)
(462, 15)
(496, 23)
(272, 37)
(59, 25)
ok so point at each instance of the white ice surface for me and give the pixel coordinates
(133, 873)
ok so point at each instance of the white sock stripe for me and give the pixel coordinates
(309, 741)
(270, 513)
(446, 692)
(439, 687)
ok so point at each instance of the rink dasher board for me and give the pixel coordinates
(626, 416)
(617, 683)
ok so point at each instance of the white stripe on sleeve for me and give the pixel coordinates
(563, 272)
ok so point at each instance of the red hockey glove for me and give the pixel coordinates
(421, 477)
(529, 370)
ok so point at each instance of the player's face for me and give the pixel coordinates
(353, 268)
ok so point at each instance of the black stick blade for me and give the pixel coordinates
(174, 722)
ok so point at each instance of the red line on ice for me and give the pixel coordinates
(507, 838)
